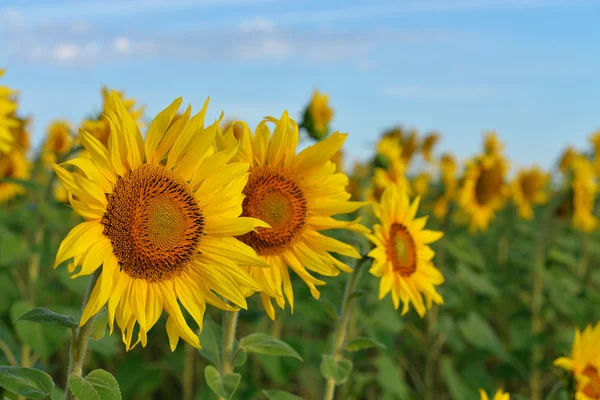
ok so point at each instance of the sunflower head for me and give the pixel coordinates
(565, 162)
(483, 191)
(584, 187)
(297, 195)
(318, 115)
(12, 165)
(584, 363)
(20, 133)
(402, 257)
(59, 139)
(8, 106)
(160, 218)
(390, 169)
(528, 189)
(428, 145)
(420, 184)
(500, 395)
(491, 144)
(410, 144)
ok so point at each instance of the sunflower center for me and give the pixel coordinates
(153, 222)
(592, 388)
(273, 196)
(401, 250)
(489, 184)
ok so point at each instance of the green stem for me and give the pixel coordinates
(79, 339)
(189, 372)
(230, 319)
(342, 324)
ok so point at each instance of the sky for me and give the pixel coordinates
(528, 69)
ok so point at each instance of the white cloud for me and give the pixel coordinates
(434, 93)
(122, 45)
(258, 24)
(65, 53)
(11, 17)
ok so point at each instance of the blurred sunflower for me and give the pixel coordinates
(428, 145)
(483, 189)
(58, 142)
(566, 159)
(529, 189)
(584, 188)
(420, 184)
(20, 133)
(12, 165)
(448, 168)
(584, 363)
(500, 395)
(402, 256)
(409, 145)
(99, 127)
(160, 215)
(297, 195)
(7, 108)
(491, 144)
(595, 141)
(391, 169)
(317, 116)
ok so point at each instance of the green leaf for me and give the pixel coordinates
(361, 343)
(99, 325)
(329, 308)
(240, 358)
(391, 377)
(211, 339)
(479, 283)
(280, 395)
(222, 386)
(98, 385)
(265, 344)
(479, 333)
(339, 370)
(357, 293)
(13, 249)
(457, 387)
(26, 382)
(44, 316)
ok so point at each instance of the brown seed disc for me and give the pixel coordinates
(153, 222)
(401, 250)
(489, 184)
(275, 197)
(592, 388)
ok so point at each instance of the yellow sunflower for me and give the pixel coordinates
(297, 195)
(58, 141)
(100, 127)
(409, 145)
(491, 144)
(160, 215)
(584, 363)
(500, 395)
(7, 108)
(429, 143)
(483, 190)
(584, 188)
(320, 113)
(448, 168)
(566, 159)
(12, 165)
(402, 257)
(595, 141)
(394, 173)
(420, 184)
(529, 189)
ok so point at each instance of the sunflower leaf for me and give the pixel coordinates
(99, 325)
(224, 386)
(280, 395)
(265, 344)
(98, 385)
(339, 370)
(362, 343)
(26, 382)
(44, 316)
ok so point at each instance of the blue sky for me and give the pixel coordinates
(526, 68)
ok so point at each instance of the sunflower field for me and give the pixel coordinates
(172, 257)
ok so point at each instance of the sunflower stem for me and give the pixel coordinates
(189, 372)
(341, 326)
(230, 319)
(79, 339)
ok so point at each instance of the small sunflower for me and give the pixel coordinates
(584, 188)
(393, 170)
(483, 190)
(12, 165)
(448, 168)
(428, 144)
(100, 127)
(59, 140)
(566, 159)
(409, 144)
(318, 115)
(595, 141)
(491, 144)
(297, 195)
(529, 189)
(584, 363)
(500, 395)
(160, 216)
(402, 256)
(7, 108)
(420, 184)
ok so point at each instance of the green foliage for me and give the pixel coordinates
(280, 395)
(27, 382)
(339, 370)
(265, 344)
(97, 385)
(223, 386)
(362, 343)
(44, 316)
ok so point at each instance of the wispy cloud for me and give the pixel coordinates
(419, 92)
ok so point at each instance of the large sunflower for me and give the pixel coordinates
(500, 395)
(584, 363)
(529, 189)
(160, 219)
(7, 108)
(483, 190)
(402, 256)
(297, 195)
(584, 188)
(12, 165)
(448, 167)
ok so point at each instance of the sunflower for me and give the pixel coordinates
(20, 133)
(566, 159)
(420, 184)
(409, 144)
(318, 115)
(595, 141)
(100, 127)
(402, 257)
(491, 144)
(160, 219)
(448, 167)
(428, 144)
(584, 363)
(584, 188)
(7, 108)
(59, 140)
(392, 172)
(500, 395)
(297, 195)
(483, 190)
(528, 189)
(12, 165)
